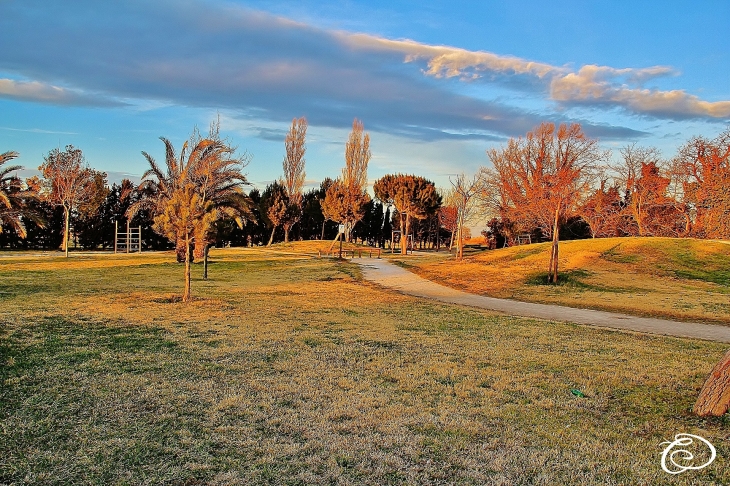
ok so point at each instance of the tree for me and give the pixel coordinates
(602, 211)
(714, 397)
(413, 197)
(294, 175)
(347, 197)
(275, 206)
(449, 218)
(218, 177)
(462, 198)
(181, 215)
(646, 199)
(14, 198)
(69, 182)
(703, 168)
(541, 178)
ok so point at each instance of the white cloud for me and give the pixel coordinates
(590, 84)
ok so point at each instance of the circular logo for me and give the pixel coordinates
(676, 459)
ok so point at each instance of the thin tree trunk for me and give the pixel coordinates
(451, 241)
(404, 236)
(553, 271)
(714, 398)
(460, 250)
(67, 214)
(186, 294)
(205, 262)
(271, 240)
(323, 223)
(286, 234)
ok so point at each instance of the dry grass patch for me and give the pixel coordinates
(681, 279)
(293, 371)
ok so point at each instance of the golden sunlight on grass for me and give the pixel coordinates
(292, 370)
(682, 279)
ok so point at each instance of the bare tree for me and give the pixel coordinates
(462, 197)
(542, 177)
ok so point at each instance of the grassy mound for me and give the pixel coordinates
(683, 279)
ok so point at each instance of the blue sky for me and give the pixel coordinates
(436, 84)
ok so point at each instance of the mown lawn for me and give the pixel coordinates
(682, 279)
(288, 369)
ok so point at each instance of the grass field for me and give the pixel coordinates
(680, 279)
(288, 369)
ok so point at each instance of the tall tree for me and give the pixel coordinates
(413, 197)
(70, 182)
(347, 197)
(294, 174)
(542, 177)
(218, 177)
(602, 211)
(647, 202)
(14, 198)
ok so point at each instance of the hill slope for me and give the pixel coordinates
(682, 279)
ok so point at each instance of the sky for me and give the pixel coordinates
(436, 84)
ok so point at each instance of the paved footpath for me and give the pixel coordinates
(388, 275)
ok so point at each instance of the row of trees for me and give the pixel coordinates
(552, 180)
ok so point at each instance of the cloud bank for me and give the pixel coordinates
(199, 53)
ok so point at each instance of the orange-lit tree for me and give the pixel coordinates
(647, 202)
(448, 219)
(70, 182)
(413, 197)
(602, 211)
(346, 199)
(704, 169)
(541, 178)
(180, 217)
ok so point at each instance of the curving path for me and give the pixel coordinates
(388, 275)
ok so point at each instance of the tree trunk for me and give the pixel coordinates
(271, 240)
(404, 236)
(323, 223)
(186, 294)
(714, 398)
(553, 271)
(205, 263)
(451, 241)
(286, 234)
(460, 250)
(67, 216)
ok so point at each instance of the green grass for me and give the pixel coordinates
(291, 371)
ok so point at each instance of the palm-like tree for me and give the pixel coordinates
(158, 186)
(198, 187)
(218, 177)
(13, 197)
